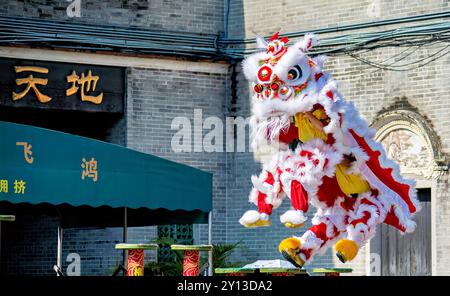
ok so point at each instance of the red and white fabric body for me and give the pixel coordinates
(288, 82)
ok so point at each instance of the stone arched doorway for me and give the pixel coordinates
(409, 140)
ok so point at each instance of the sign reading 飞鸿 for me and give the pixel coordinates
(63, 86)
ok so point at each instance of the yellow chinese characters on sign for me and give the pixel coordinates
(19, 186)
(85, 83)
(89, 169)
(31, 83)
(3, 186)
(26, 151)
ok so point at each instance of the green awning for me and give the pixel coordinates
(91, 181)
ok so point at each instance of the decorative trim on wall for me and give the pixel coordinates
(420, 133)
(113, 60)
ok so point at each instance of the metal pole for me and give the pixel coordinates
(210, 253)
(125, 238)
(60, 241)
(0, 244)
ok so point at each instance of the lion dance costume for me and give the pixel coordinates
(326, 158)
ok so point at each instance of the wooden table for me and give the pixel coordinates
(332, 271)
(7, 218)
(276, 271)
(191, 257)
(135, 263)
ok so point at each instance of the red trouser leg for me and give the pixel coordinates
(299, 197)
(263, 206)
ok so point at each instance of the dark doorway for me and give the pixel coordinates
(409, 254)
(96, 125)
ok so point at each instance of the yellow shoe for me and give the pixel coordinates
(293, 218)
(290, 249)
(292, 225)
(258, 223)
(253, 219)
(346, 250)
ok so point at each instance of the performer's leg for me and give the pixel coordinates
(266, 184)
(300, 250)
(299, 200)
(361, 227)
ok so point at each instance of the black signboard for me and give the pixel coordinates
(61, 86)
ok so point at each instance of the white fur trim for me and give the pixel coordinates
(310, 241)
(253, 196)
(261, 43)
(309, 41)
(360, 213)
(293, 216)
(320, 61)
(250, 65)
(249, 217)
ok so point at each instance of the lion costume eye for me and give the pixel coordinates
(297, 74)
(294, 73)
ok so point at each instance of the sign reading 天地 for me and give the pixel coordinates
(62, 86)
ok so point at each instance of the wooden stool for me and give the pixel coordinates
(8, 218)
(332, 271)
(191, 257)
(274, 271)
(234, 271)
(135, 263)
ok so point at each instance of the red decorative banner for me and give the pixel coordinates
(191, 263)
(135, 263)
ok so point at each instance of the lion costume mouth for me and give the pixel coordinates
(270, 127)
(275, 108)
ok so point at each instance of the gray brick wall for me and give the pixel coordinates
(29, 246)
(264, 18)
(155, 98)
(199, 16)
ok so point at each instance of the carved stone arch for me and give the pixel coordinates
(410, 140)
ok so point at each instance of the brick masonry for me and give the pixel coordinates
(199, 16)
(155, 98)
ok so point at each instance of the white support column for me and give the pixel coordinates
(433, 228)
(60, 242)
(125, 236)
(210, 253)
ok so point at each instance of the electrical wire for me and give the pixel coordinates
(393, 67)
(59, 34)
